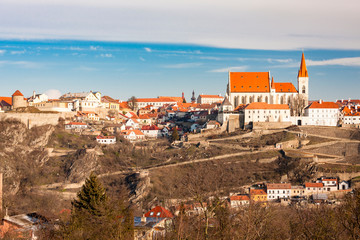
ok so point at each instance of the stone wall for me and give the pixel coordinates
(36, 119)
(271, 125)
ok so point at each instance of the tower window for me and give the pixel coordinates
(303, 89)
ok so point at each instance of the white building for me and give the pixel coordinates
(151, 131)
(209, 99)
(239, 201)
(37, 98)
(278, 191)
(106, 139)
(264, 112)
(330, 184)
(133, 135)
(322, 114)
(155, 102)
(249, 87)
(84, 101)
(75, 125)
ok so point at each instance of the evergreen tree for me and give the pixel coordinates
(92, 198)
(175, 134)
(95, 216)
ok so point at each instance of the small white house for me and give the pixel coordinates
(344, 185)
(75, 125)
(239, 201)
(322, 113)
(278, 191)
(106, 139)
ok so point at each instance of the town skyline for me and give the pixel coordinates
(163, 69)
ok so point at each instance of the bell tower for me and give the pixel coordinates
(303, 81)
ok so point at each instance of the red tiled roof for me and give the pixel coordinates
(284, 87)
(211, 96)
(127, 132)
(159, 212)
(17, 93)
(8, 100)
(323, 105)
(124, 105)
(144, 116)
(257, 192)
(76, 123)
(312, 185)
(264, 105)
(152, 127)
(177, 99)
(240, 198)
(278, 186)
(249, 82)
(105, 137)
(303, 71)
(164, 99)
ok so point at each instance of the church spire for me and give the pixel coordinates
(303, 71)
(272, 83)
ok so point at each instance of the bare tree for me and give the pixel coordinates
(132, 102)
(297, 105)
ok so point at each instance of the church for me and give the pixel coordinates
(248, 87)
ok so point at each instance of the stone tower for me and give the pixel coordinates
(18, 100)
(193, 99)
(303, 81)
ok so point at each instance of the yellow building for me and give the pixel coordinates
(258, 195)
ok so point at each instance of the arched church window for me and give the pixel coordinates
(282, 100)
(266, 99)
(303, 89)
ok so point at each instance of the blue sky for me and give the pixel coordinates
(160, 47)
(121, 70)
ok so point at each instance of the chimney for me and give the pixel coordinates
(320, 101)
(143, 219)
(342, 100)
(34, 94)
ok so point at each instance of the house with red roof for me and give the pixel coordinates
(5, 103)
(249, 87)
(264, 112)
(238, 201)
(133, 134)
(151, 131)
(159, 212)
(320, 113)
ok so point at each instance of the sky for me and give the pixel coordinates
(156, 48)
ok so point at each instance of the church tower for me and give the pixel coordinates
(303, 81)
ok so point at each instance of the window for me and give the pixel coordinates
(151, 213)
(158, 214)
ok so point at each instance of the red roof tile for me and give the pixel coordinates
(278, 186)
(240, 198)
(264, 105)
(303, 71)
(249, 82)
(284, 87)
(323, 105)
(313, 185)
(17, 93)
(159, 212)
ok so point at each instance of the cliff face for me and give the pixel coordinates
(21, 151)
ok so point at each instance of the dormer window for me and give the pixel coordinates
(257, 86)
(158, 214)
(151, 213)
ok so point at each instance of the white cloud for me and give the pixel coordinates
(23, 64)
(231, 69)
(352, 61)
(277, 24)
(142, 59)
(106, 55)
(93, 48)
(184, 65)
(53, 93)
(17, 52)
(272, 60)
(2, 51)
(148, 49)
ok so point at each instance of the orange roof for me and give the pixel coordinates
(211, 96)
(144, 116)
(257, 192)
(152, 127)
(278, 186)
(303, 71)
(105, 137)
(249, 82)
(308, 184)
(264, 105)
(240, 198)
(127, 132)
(323, 105)
(8, 100)
(159, 212)
(284, 87)
(124, 105)
(76, 123)
(17, 93)
(163, 99)
(177, 99)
